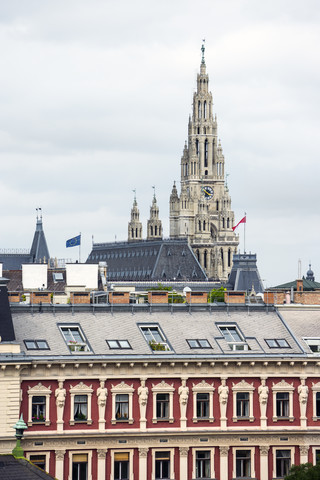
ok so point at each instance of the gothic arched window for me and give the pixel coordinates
(136, 232)
(217, 204)
(222, 262)
(205, 109)
(155, 230)
(197, 147)
(228, 222)
(199, 109)
(223, 226)
(206, 153)
(229, 258)
(199, 225)
(205, 259)
(198, 255)
(204, 224)
(151, 230)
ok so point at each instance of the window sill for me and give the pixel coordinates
(240, 419)
(44, 422)
(203, 419)
(156, 420)
(315, 419)
(277, 419)
(77, 422)
(122, 420)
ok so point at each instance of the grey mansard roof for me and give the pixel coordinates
(177, 327)
(159, 260)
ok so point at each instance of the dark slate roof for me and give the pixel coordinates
(148, 260)
(15, 280)
(13, 261)
(244, 273)
(39, 249)
(12, 468)
(6, 326)
(308, 285)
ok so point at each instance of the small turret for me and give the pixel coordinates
(39, 250)
(134, 226)
(154, 226)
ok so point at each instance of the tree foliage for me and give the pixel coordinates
(305, 471)
(216, 295)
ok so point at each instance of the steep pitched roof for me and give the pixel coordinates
(12, 468)
(39, 249)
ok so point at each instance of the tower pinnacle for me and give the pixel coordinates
(203, 50)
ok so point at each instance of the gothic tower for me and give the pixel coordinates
(154, 227)
(203, 212)
(134, 226)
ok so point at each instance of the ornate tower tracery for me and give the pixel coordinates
(134, 226)
(203, 212)
(154, 226)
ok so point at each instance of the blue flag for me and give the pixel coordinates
(73, 242)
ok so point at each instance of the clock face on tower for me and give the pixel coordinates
(207, 192)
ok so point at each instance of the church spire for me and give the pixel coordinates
(154, 226)
(134, 226)
(39, 250)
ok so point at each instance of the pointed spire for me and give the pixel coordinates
(203, 50)
(39, 248)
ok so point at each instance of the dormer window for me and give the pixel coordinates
(155, 338)
(75, 339)
(233, 337)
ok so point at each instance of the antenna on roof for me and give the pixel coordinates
(299, 268)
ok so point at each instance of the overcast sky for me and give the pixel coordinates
(94, 102)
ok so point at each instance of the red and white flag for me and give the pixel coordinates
(243, 220)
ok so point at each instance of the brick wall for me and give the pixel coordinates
(119, 297)
(79, 297)
(235, 297)
(37, 297)
(197, 297)
(14, 297)
(158, 297)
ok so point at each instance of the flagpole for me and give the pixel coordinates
(80, 249)
(244, 235)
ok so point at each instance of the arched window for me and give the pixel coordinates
(136, 232)
(217, 204)
(229, 258)
(197, 147)
(132, 232)
(155, 230)
(222, 262)
(228, 222)
(206, 153)
(199, 109)
(151, 230)
(205, 259)
(160, 230)
(205, 109)
(198, 130)
(206, 172)
(198, 255)
(204, 224)
(199, 225)
(223, 223)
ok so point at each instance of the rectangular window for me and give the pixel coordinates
(121, 466)
(38, 409)
(36, 345)
(317, 456)
(233, 337)
(118, 344)
(242, 400)
(75, 339)
(277, 343)
(313, 344)
(163, 405)
(155, 338)
(243, 463)
(80, 408)
(203, 464)
(199, 343)
(282, 402)
(202, 405)
(122, 406)
(80, 467)
(39, 460)
(162, 465)
(283, 463)
(318, 404)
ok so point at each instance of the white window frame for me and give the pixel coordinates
(233, 344)
(314, 341)
(39, 391)
(45, 454)
(156, 450)
(80, 452)
(243, 387)
(282, 387)
(274, 456)
(84, 343)
(162, 387)
(314, 456)
(123, 450)
(203, 387)
(80, 389)
(161, 334)
(252, 460)
(122, 389)
(194, 458)
(315, 390)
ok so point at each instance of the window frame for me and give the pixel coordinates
(252, 460)
(171, 460)
(277, 340)
(274, 454)
(203, 387)
(112, 455)
(74, 343)
(211, 451)
(36, 344)
(312, 339)
(89, 461)
(122, 388)
(119, 347)
(164, 342)
(314, 454)
(39, 390)
(38, 454)
(80, 389)
(282, 387)
(162, 387)
(233, 344)
(315, 392)
(243, 387)
(198, 340)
